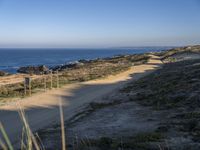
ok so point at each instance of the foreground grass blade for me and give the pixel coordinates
(30, 137)
(40, 142)
(3, 146)
(6, 137)
(62, 126)
(23, 146)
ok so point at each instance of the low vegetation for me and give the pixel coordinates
(174, 85)
(89, 70)
(141, 141)
(175, 88)
(171, 55)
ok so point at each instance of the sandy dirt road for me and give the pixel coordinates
(42, 110)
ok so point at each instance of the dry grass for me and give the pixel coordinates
(62, 126)
(89, 71)
(29, 141)
(32, 141)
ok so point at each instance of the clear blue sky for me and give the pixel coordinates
(99, 23)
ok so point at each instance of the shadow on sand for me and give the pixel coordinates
(40, 117)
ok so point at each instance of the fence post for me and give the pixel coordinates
(51, 79)
(25, 89)
(30, 92)
(45, 83)
(57, 79)
(27, 83)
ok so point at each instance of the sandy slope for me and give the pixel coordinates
(43, 109)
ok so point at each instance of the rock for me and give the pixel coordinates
(34, 69)
(83, 61)
(68, 66)
(3, 73)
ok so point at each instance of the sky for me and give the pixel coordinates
(98, 23)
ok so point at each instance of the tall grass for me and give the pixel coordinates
(29, 141)
(62, 126)
(92, 70)
(8, 144)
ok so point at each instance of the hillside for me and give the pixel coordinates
(175, 90)
(181, 53)
(159, 111)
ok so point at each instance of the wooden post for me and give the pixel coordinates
(27, 83)
(51, 77)
(30, 92)
(45, 83)
(25, 88)
(57, 79)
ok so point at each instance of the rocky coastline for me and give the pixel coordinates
(43, 69)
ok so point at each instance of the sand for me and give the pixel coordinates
(42, 110)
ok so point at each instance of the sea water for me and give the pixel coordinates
(12, 59)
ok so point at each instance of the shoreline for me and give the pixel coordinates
(70, 63)
(128, 51)
(84, 70)
(12, 86)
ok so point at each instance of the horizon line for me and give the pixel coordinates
(120, 47)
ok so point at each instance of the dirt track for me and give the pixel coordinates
(43, 109)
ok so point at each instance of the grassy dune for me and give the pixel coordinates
(174, 89)
(170, 55)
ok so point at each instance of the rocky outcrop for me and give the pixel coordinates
(34, 70)
(3, 73)
(75, 64)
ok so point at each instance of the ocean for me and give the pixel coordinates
(12, 59)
